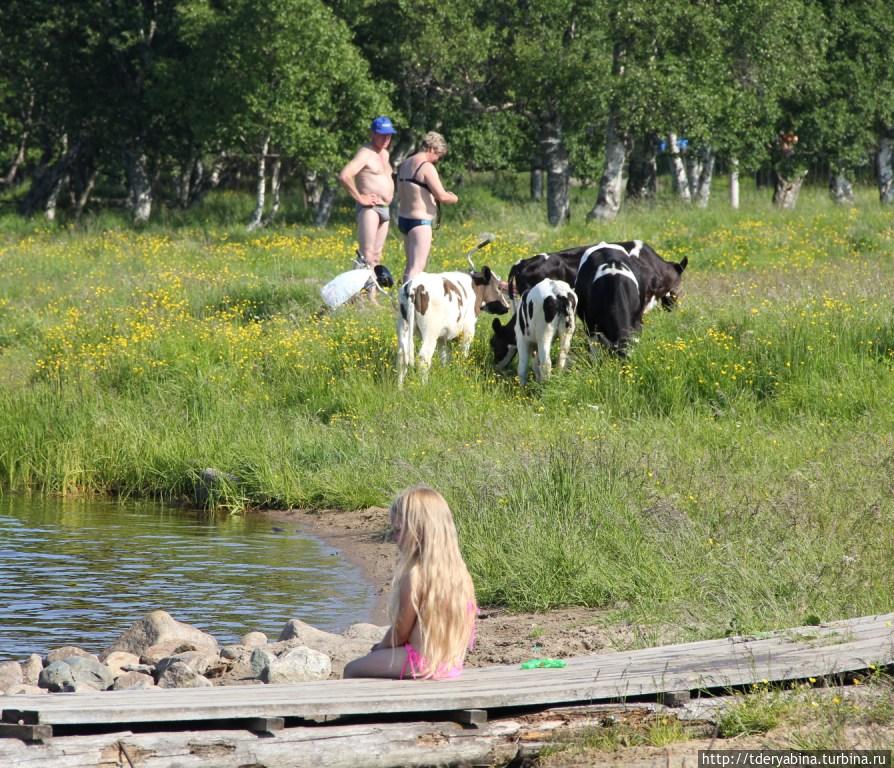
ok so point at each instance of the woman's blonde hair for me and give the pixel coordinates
(443, 593)
(434, 142)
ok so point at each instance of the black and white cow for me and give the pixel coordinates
(616, 287)
(662, 278)
(441, 307)
(545, 312)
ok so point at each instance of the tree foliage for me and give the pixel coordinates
(171, 82)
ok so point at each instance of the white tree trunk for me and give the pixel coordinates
(81, 201)
(840, 188)
(536, 182)
(785, 195)
(555, 159)
(682, 182)
(611, 185)
(323, 208)
(705, 177)
(734, 183)
(140, 188)
(258, 214)
(275, 182)
(885, 170)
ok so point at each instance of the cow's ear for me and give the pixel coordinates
(496, 325)
(682, 265)
(487, 274)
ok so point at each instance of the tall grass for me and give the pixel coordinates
(733, 474)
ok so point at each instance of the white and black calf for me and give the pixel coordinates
(544, 313)
(441, 307)
(661, 278)
(615, 288)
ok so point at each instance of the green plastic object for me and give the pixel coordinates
(543, 663)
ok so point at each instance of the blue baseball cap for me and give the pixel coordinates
(382, 124)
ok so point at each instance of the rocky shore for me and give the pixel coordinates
(159, 651)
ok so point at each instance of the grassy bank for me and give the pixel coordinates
(734, 474)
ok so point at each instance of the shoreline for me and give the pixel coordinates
(503, 637)
(359, 537)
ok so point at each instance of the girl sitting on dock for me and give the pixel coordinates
(433, 605)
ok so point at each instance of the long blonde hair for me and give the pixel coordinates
(443, 593)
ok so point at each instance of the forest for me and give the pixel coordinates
(140, 105)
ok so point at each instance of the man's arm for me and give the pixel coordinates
(347, 174)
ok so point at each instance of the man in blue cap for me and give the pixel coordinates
(367, 178)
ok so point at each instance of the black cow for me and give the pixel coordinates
(614, 289)
(662, 278)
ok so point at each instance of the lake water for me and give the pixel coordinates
(80, 573)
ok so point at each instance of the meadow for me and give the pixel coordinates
(734, 474)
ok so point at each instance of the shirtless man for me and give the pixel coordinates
(367, 177)
(420, 192)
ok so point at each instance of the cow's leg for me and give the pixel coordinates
(565, 344)
(466, 339)
(524, 359)
(426, 353)
(544, 346)
(445, 351)
(403, 354)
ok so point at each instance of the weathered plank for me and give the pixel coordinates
(728, 662)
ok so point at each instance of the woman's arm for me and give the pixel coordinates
(399, 633)
(432, 178)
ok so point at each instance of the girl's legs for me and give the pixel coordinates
(417, 245)
(387, 662)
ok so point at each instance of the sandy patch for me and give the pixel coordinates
(503, 637)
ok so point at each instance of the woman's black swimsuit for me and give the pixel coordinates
(404, 224)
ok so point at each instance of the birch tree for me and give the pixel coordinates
(289, 85)
(664, 80)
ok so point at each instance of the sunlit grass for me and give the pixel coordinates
(733, 474)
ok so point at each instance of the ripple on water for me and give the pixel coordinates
(80, 573)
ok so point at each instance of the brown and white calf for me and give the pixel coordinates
(545, 312)
(440, 307)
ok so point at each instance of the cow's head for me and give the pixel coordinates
(489, 292)
(670, 297)
(502, 343)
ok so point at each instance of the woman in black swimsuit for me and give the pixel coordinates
(420, 191)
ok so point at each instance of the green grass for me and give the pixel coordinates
(733, 475)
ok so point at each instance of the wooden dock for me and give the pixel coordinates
(824, 651)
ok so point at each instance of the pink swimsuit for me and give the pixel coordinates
(417, 665)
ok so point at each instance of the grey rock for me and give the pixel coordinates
(90, 673)
(67, 651)
(195, 660)
(31, 669)
(180, 675)
(232, 652)
(129, 681)
(56, 677)
(261, 659)
(117, 660)
(10, 675)
(355, 642)
(146, 669)
(254, 639)
(25, 689)
(211, 484)
(298, 665)
(158, 635)
(367, 633)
